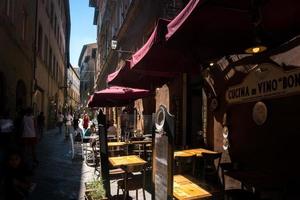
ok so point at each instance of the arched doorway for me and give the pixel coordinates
(21, 95)
(2, 93)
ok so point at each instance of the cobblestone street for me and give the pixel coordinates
(57, 176)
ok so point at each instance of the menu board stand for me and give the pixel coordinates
(162, 174)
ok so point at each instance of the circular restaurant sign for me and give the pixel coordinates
(259, 113)
(160, 119)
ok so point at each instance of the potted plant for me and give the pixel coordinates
(95, 190)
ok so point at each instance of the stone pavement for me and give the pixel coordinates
(58, 177)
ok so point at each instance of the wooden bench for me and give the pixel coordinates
(185, 189)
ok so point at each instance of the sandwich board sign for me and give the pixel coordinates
(163, 152)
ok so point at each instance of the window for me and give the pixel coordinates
(57, 31)
(53, 65)
(51, 14)
(58, 38)
(94, 50)
(40, 39)
(47, 7)
(86, 59)
(24, 24)
(9, 9)
(54, 26)
(56, 72)
(46, 50)
(50, 59)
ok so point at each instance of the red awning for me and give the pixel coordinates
(116, 96)
(210, 29)
(206, 30)
(155, 59)
(129, 78)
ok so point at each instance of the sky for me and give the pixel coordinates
(82, 29)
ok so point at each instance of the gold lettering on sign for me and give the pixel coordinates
(268, 81)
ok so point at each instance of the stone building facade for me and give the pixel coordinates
(87, 65)
(16, 54)
(73, 97)
(53, 36)
(34, 55)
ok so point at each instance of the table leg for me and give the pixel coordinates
(145, 152)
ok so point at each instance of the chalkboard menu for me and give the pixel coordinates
(162, 176)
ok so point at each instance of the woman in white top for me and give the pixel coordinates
(69, 120)
(29, 135)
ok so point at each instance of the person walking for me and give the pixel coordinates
(86, 121)
(41, 124)
(29, 135)
(17, 177)
(6, 130)
(69, 121)
(60, 121)
(6, 137)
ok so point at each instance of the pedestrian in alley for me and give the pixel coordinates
(17, 178)
(60, 121)
(29, 134)
(41, 124)
(86, 121)
(6, 138)
(6, 131)
(69, 121)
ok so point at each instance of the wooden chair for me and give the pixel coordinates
(210, 168)
(237, 194)
(132, 181)
(185, 164)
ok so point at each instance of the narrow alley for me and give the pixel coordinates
(159, 99)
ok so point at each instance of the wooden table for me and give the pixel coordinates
(185, 189)
(126, 161)
(182, 154)
(191, 152)
(116, 144)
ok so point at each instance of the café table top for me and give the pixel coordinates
(185, 189)
(115, 144)
(182, 154)
(191, 152)
(126, 161)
